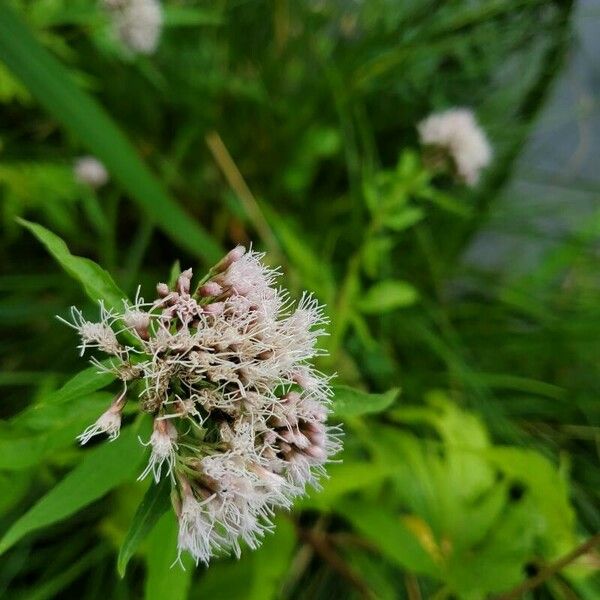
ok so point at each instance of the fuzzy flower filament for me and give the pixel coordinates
(225, 368)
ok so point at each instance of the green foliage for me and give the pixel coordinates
(388, 295)
(458, 493)
(164, 579)
(470, 514)
(155, 503)
(54, 88)
(349, 402)
(96, 282)
(101, 470)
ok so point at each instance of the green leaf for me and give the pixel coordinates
(376, 253)
(36, 437)
(155, 503)
(350, 402)
(345, 478)
(102, 469)
(187, 16)
(315, 272)
(388, 295)
(548, 491)
(96, 282)
(50, 406)
(258, 575)
(391, 536)
(165, 580)
(271, 562)
(52, 85)
(404, 218)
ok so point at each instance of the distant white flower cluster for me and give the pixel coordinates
(137, 23)
(239, 411)
(90, 171)
(458, 133)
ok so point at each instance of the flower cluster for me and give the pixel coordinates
(137, 23)
(457, 133)
(239, 411)
(89, 171)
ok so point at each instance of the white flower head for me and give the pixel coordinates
(456, 130)
(197, 533)
(164, 447)
(137, 23)
(90, 171)
(109, 422)
(224, 367)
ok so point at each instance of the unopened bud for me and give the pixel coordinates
(212, 288)
(231, 257)
(162, 289)
(184, 281)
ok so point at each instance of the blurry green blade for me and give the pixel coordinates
(53, 87)
(165, 579)
(97, 283)
(102, 469)
(155, 503)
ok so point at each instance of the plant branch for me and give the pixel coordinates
(322, 547)
(551, 569)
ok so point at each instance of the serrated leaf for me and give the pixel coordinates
(350, 402)
(155, 503)
(53, 86)
(388, 295)
(101, 470)
(97, 283)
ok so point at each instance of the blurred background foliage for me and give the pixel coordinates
(292, 125)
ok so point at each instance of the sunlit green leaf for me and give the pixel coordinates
(388, 295)
(404, 218)
(349, 402)
(391, 536)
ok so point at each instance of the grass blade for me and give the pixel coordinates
(50, 83)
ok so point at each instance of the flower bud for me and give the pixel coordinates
(211, 288)
(162, 289)
(231, 257)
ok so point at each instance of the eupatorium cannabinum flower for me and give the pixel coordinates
(137, 23)
(90, 171)
(224, 367)
(457, 133)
